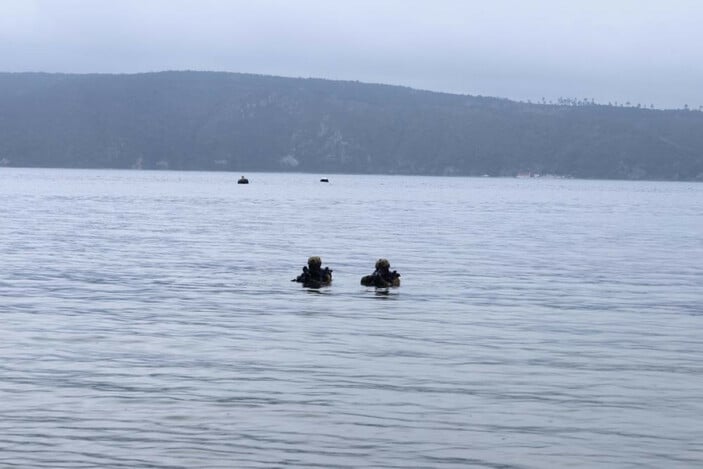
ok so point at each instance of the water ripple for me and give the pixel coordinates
(148, 320)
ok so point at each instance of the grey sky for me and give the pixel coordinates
(642, 51)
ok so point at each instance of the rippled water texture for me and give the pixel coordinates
(148, 320)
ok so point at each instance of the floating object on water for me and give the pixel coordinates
(243, 180)
(324, 180)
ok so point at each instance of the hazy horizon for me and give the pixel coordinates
(641, 52)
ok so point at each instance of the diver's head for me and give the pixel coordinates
(314, 262)
(383, 264)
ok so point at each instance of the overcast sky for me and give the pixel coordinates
(642, 51)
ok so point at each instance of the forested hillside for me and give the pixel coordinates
(240, 122)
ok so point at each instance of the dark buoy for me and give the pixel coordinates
(243, 180)
(324, 180)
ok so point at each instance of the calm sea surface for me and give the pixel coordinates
(148, 319)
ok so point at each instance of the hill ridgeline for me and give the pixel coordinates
(240, 122)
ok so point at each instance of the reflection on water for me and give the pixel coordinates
(148, 320)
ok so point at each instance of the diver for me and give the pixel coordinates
(314, 276)
(382, 277)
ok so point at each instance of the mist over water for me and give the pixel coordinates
(148, 320)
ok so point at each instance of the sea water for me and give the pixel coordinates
(148, 319)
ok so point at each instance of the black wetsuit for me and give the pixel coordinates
(381, 278)
(315, 278)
